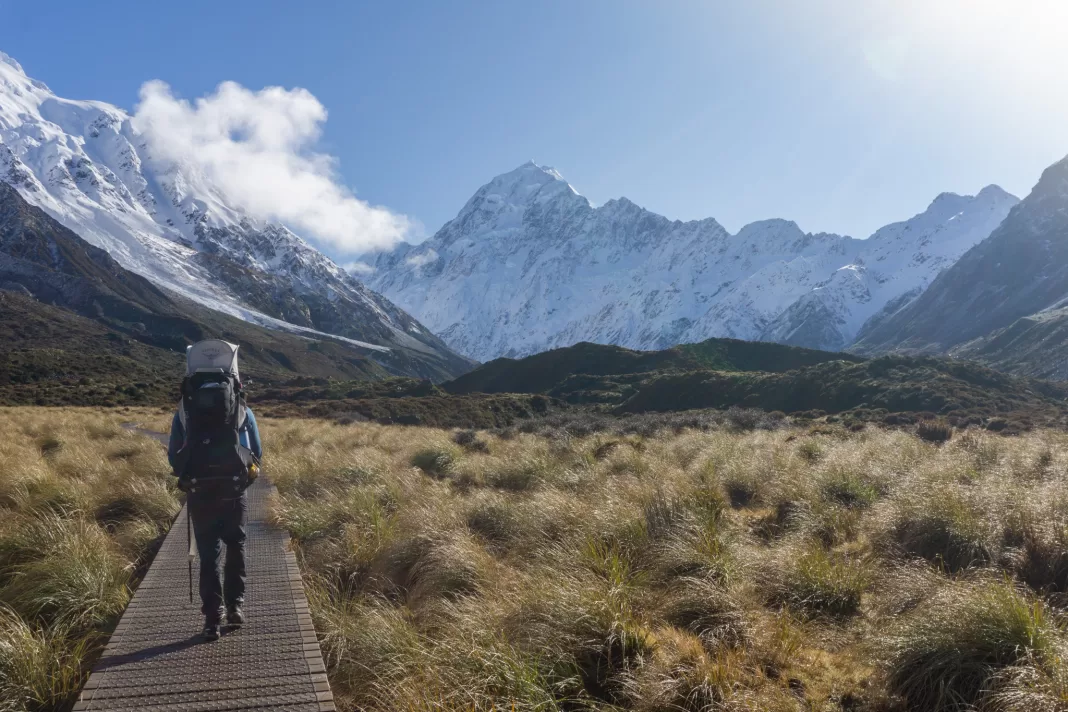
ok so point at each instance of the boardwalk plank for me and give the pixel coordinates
(156, 661)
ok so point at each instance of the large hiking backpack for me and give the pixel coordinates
(212, 461)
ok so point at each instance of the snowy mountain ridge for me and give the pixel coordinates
(529, 264)
(85, 164)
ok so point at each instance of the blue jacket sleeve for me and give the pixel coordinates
(253, 434)
(177, 439)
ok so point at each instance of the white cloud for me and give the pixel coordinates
(422, 259)
(358, 268)
(255, 148)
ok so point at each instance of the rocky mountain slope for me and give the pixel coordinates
(529, 264)
(1005, 301)
(84, 164)
(72, 317)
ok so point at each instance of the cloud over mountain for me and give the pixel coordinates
(257, 148)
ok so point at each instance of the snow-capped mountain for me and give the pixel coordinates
(85, 165)
(1005, 301)
(529, 264)
(892, 267)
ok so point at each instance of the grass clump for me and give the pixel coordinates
(469, 441)
(518, 476)
(741, 492)
(434, 461)
(40, 667)
(816, 582)
(850, 490)
(950, 529)
(950, 653)
(934, 431)
(707, 611)
(67, 570)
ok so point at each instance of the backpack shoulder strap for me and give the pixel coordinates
(181, 415)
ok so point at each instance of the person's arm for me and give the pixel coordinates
(254, 444)
(176, 441)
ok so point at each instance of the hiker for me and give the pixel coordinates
(214, 451)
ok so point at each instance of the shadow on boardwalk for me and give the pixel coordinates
(155, 659)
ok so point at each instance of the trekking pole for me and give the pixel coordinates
(189, 540)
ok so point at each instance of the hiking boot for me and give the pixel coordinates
(211, 631)
(234, 615)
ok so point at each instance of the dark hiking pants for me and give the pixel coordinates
(217, 522)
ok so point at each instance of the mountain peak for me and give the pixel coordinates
(529, 265)
(995, 192)
(510, 194)
(530, 173)
(11, 62)
(945, 205)
(773, 228)
(90, 170)
(622, 204)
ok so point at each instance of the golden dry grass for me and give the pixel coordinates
(82, 500)
(767, 570)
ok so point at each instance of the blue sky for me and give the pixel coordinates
(840, 115)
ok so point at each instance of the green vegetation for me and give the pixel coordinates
(55, 357)
(965, 393)
(951, 654)
(401, 401)
(937, 394)
(52, 356)
(736, 355)
(541, 373)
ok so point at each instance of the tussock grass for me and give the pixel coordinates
(82, 501)
(951, 653)
(668, 564)
(436, 461)
(703, 566)
(934, 431)
(64, 569)
(813, 581)
(40, 667)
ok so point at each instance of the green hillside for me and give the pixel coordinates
(542, 372)
(52, 356)
(966, 392)
(724, 373)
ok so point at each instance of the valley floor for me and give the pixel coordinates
(745, 565)
(783, 569)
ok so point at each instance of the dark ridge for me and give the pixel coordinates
(543, 372)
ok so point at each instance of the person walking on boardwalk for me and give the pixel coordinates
(215, 450)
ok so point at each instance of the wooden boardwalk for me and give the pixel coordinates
(156, 660)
